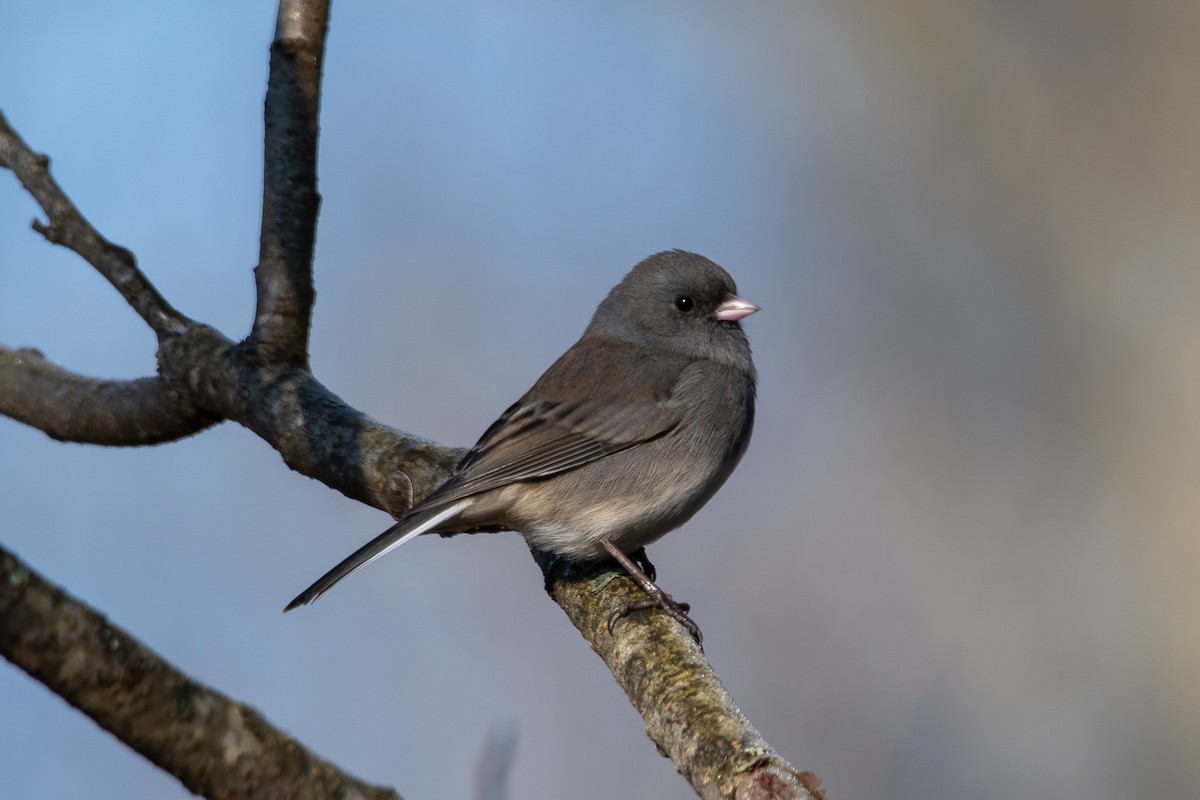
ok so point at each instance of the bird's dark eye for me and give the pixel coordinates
(684, 303)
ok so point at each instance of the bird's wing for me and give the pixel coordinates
(585, 407)
(582, 409)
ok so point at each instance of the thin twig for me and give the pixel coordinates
(67, 227)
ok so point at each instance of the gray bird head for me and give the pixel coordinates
(680, 301)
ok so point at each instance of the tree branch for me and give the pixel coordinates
(68, 228)
(663, 671)
(315, 431)
(74, 408)
(216, 747)
(290, 200)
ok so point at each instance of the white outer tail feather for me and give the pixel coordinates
(432, 522)
(351, 564)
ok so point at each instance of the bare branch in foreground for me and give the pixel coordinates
(216, 747)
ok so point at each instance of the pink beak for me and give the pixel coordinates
(734, 308)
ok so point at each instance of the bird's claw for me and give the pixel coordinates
(674, 610)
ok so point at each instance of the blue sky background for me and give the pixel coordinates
(959, 557)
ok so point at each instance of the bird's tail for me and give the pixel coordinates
(408, 528)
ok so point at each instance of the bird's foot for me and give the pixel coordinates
(657, 598)
(667, 604)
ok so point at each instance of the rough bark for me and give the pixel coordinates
(216, 747)
(663, 671)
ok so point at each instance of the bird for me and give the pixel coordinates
(626, 436)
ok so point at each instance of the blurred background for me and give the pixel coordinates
(961, 557)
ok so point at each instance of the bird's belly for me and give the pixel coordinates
(627, 509)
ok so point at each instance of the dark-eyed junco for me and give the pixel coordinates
(623, 439)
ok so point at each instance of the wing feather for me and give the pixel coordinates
(586, 406)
